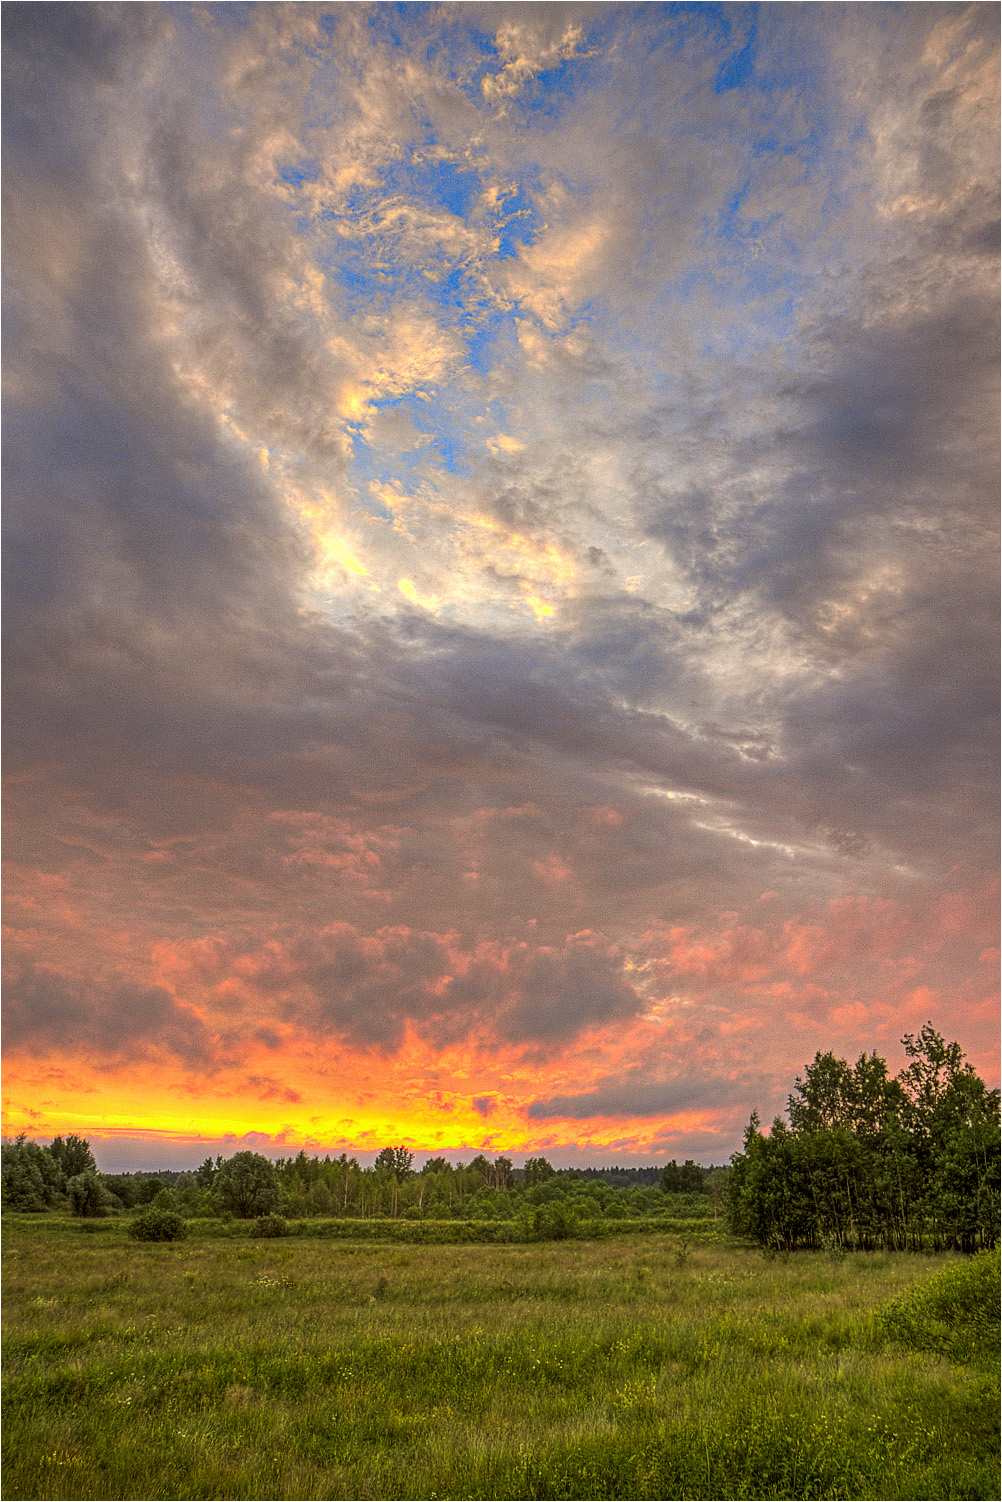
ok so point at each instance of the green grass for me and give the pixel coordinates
(631, 1367)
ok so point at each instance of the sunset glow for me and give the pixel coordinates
(501, 569)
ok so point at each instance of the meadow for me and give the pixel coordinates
(637, 1366)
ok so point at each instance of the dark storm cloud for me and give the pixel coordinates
(907, 482)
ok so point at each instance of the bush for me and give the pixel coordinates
(158, 1225)
(955, 1313)
(271, 1225)
(554, 1222)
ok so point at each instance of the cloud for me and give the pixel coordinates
(634, 1096)
(480, 515)
(46, 1010)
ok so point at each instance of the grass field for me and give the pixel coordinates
(636, 1367)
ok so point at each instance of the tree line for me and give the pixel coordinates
(867, 1160)
(64, 1176)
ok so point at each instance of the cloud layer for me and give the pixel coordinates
(501, 564)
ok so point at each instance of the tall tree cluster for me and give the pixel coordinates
(63, 1174)
(871, 1161)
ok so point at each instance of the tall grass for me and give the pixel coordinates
(638, 1367)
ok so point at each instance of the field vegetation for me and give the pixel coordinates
(235, 1366)
(818, 1320)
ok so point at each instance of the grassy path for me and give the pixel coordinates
(306, 1369)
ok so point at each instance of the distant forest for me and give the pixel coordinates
(864, 1161)
(536, 1201)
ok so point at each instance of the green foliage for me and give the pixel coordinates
(315, 1187)
(956, 1313)
(271, 1226)
(554, 1221)
(205, 1173)
(868, 1161)
(122, 1186)
(154, 1224)
(688, 1179)
(146, 1189)
(87, 1195)
(32, 1179)
(247, 1185)
(73, 1155)
(600, 1369)
(395, 1160)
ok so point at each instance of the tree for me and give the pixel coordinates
(692, 1177)
(535, 1171)
(500, 1173)
(73, 1155)
(480, 1165)
(832, 1095)
(671, 1178)
(394, 1160)
(87, 1195)
(685, 1180)
(871, 1161)
(247, 1185)
(122, 1186)
(32, 1181)
(934, 1067)
(205, 1173)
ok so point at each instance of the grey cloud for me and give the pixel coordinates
(46, 1010)
(367, 986)
(639, 1095)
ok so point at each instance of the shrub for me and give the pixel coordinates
(271, 1225)
(955, 1313)
(158, 1225)
(554, 1222)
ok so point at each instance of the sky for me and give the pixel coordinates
(501, 568)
